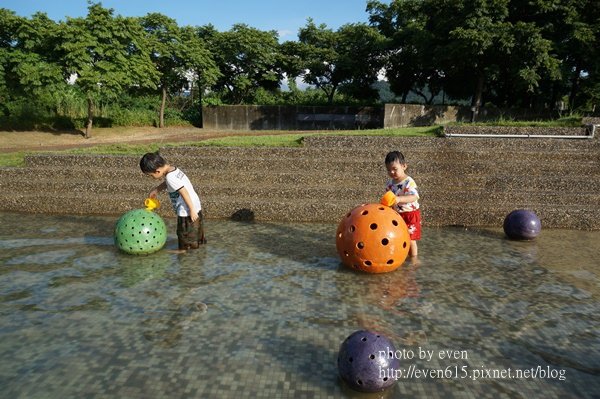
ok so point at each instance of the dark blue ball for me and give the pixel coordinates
(522, 224)
(366, 361)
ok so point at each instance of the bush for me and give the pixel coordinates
(193, 115)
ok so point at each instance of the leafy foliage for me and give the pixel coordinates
(347, 59)
(176, 52)
(112, 70)
(107, 55)
(508, 52)
(247, 59)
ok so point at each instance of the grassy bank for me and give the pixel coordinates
(264, 139)
(275, 140)
(569, 121)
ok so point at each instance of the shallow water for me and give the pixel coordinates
(260, 312)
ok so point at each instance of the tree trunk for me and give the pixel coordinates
(554, 105)
(476, 104)
(574, 88)
(90, 118)
(330, 96)
(422, 95)
(161, 117)
(201, 116)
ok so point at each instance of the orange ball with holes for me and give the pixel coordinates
(373, 238)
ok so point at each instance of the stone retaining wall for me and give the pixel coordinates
(520, 131)
(462, 181)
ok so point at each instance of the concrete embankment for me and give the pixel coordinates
(462, 181)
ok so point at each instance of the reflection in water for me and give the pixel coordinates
(392, 293)
(262, 309)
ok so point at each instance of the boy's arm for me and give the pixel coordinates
(161, 187)
(406, 198)
(409, 193)
(188, 201)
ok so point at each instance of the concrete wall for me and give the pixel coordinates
(266, 117)
(282, 117)
(403, 115)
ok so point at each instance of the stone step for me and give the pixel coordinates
(199, 156)
(518, 167)
(117, 180)
(339, 173)
(293, 192)
(471, 198)
(375, 154)
(559, 132)
(77, 161)
(565, 216)
(426, 162)
(114, 188)
(197, 176)
(559, 183)
(242, 167)
(415, 144)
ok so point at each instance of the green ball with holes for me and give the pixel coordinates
(140, 232)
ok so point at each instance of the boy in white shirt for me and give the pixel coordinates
(185, 200)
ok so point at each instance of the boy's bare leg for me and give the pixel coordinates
(414, 251)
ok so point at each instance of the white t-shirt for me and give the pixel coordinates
(176, 180)
(406, 186)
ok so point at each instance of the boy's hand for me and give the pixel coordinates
(188, 201)
(161, 187)
(153, 193)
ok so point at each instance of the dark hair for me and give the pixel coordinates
(394, 156)
(151, 161)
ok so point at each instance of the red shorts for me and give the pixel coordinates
(413, 221)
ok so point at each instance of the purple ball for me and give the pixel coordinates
(366, 361)
(522, 224)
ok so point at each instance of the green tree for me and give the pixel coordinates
(29, 62)
(247, 58)
(464, 46)
(360, 48)
(524, 67)
(178, 55)
(203, 69)
(9, 25)
(348, 58)
(573, 28)
(410, 50)
(107, 54)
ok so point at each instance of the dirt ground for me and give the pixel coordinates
(14, 141)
